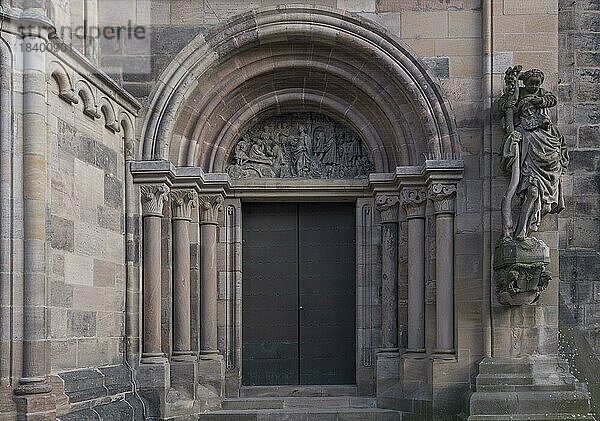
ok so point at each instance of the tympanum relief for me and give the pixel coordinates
(299, 145)
(535, 156)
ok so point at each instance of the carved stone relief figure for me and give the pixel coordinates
(534, 153)
(299, 145)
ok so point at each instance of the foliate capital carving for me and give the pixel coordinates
(414, 201)
(443, 197)
(153, 197)
(182, 203)
(387, 205)
(209, 207)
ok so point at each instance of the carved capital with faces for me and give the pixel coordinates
(387, 205)
(443, 196)
(153, 197)
(209, 207)
(414, 201)
(182, 203)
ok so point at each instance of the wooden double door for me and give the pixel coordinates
(298, 293)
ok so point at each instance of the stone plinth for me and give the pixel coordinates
(154, 382)
(528, 387)
(388, 378)
(520, 269)
(211, 381)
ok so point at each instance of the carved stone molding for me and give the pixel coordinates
(387, 205)
(153, 197)
(209, 207)
(182, 203)
(443, 197)
(414, 200)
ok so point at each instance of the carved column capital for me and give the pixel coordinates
(387, 205)
(182, 203)
(209, 206)
(443, 197)
(414, 200)
(153, 197)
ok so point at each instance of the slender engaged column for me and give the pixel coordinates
(209, 208)
(153, 197)
(443, 198)
(35, 155)
(182, 202)
(414, 201)
(388, 208)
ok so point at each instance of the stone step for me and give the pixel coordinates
(299, 402)
(531, 417)
(295, 390)
(523, 382)
(524, 403)
(303, 414)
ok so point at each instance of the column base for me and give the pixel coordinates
(527, 387)
(153, 358)
(35, 407)
(387, 373)
(33, 386)
(211, 376)
(444, 354)
(184, 356)
(184, 376)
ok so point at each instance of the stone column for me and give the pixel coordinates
(414, 201)
(35, 154)
(443, 197)
(182, 202)
(209, 208)
(153, 197)
(388, 208)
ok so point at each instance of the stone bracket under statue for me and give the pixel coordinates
(534, 153)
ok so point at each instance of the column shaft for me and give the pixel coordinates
(181, 287)
(389, 286)
(182, 203)
(445, 282)
(210, 206)
(151, 288)
(416, 285)
(35, 352)
(153, 197)
(208, 285)
(443, 197)
(388, 208)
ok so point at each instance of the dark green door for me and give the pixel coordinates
(299, 289)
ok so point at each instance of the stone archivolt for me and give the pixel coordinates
(300, 145)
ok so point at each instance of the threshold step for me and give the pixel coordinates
(299, 414)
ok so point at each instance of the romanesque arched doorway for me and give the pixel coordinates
(305, 105)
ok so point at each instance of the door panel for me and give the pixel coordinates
(299, 294)
(270, 294)
(327, 248)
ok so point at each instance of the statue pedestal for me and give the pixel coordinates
(520, 269)
(528, 387)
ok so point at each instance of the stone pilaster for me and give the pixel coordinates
(209, 208)
(443, 197)
(182, 203)
(152, 198)
(388, 209)
(414, 201)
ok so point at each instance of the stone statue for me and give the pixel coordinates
(299, 145)
(535, 155)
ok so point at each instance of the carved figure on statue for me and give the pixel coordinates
(535, 155)
(534, 152)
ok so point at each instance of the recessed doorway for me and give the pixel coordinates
(298, 294)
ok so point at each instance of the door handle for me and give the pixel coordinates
(301, 308)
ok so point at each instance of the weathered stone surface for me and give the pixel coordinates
(61, 233)
(81, 323)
